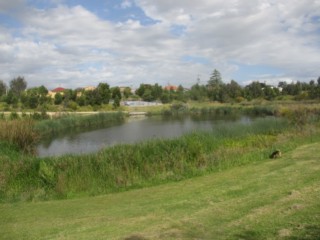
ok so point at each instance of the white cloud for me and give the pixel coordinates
(126, 4)
(12, 5)
(73, 47)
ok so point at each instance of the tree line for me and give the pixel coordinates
(17, 94)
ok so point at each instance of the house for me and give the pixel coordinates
(171, 88)
(53, 92)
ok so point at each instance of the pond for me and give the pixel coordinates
(134, 130)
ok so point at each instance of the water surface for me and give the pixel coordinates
(132, 131)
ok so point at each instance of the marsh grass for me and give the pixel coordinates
(73, 122)
(20, 133)
(124, 167)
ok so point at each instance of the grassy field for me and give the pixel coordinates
(269, 199)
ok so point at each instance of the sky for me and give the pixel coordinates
(78, 43)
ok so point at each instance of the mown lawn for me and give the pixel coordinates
(271, 199)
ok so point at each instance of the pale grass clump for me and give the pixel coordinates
(20, 133)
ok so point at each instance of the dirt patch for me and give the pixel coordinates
(284, 232)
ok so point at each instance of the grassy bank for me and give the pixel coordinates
(269, 199)
(154, 162)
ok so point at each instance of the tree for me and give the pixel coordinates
(198, 92)
(116, 93)
(127, 92)
(116, 102)
(234, 90)
(254, 90)
(3, 88)
(17, 86)
(103, 91)
(215, 85)
(58, 98)
(215, 79)
(11, 98)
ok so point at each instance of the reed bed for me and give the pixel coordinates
(72, 122)
(124, 167)
(20, 133)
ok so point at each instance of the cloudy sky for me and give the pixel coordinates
(77, 43)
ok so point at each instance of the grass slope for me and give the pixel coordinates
(271, 199)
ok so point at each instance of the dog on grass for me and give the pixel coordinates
(275, 154)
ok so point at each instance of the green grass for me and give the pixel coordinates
(268, 199)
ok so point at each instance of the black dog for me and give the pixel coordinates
(275, 154)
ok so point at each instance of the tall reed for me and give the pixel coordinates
(20, 133)
(72, 122)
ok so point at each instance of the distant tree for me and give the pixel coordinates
(198, 92)
(318, 81)
(215, 79)
(234, 90)
(149, 92)
(43, 95)
(58, 98)
(215, 86)
(180, 94)
(116, 102)
(116, 93)
(3, 88)
(81, 100)
(140, 90)
(147, 95)
(10, 98)
(156, 91)
(165, 97)
(103, 91)
(17, 86)
(254, 90)
(33, 100)
(269, 93)
(127, 92)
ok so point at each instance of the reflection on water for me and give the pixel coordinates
(134, 130)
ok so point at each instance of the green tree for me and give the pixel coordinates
(33, 100)
(17, 86)
(215, 85)
(147, 95)
(11, 98)
(116, 93)
(3, 88)
(234, 90)
(58, 98)
(198, 92)
(140, 90)
(166, 97)
(254, 90)
(215, 79)
(116, 102)
(127, 92)
(43, 95)
(103, 92)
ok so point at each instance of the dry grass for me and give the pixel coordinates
(20, 133)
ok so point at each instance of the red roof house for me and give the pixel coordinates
(58, 89)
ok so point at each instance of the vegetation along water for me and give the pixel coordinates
(163, 162)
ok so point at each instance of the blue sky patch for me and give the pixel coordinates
(255, 72)
(195, 59)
